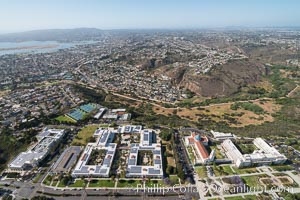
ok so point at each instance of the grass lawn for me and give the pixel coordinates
(174, 179)
(153, 183)
(250, 197)
(219, 155)
(13, 175)
(246, 148)
(252, 181)
(246, 197)
(248, 170)
(61, 184)
(279, 174)
(47, 180)
(64, 118)
(85, 133)
(216, 170)
(201, 171)
(102, 183)
(129, 183)
(37, 178)
(233, 198)
(191, 154)
(54, 183)
(227, 170)
(282, 168)
(104, 125)
(78, 183)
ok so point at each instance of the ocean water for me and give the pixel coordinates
(29, 47)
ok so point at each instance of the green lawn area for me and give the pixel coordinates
(129, 183)
(13, 175)
(174, 179)
(104, 125)
(54, 183)
(227, 170)
(252, 181)
(78, 183)
(201, 171)
(248, 170)
(279, 174)
(246, 197)
(61, 184)
(250, 197)
(218, 153)
(191, 154)
(37, 178)
(233, 198)
(217, 170)
(155, 183)
(85, 133)
(281, 168)
(247, 148)
(102, 183)
(47, 180)
(64, 118)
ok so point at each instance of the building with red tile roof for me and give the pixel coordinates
(198, 144)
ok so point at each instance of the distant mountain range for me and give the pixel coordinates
(64, 35)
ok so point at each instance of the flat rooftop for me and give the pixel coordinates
(83, 169)
(104, 138)
(40, 150)
(137, 170)
(67, 159)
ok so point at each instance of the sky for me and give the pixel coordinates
(22, 15)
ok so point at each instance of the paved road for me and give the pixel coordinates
(124, 192)
(28, 190)
(200, 187)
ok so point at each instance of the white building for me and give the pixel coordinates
(264, 155)
(130, 129)
(222, 136)
(47, 140)
(100, 113)
(102, 169)
(135, 169)
(198, 144)
(146, 137)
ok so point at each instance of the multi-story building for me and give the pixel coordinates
(47, 140)
(104, 152)
(198, 143)
(222, 136)
(265, 154)
(146, 151)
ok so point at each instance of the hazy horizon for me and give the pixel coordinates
(133, 14)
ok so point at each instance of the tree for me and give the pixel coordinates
(166, 134)
(90, 139)
(180, 173)
(112, 178)
(7, 197)
(66, 179)
(170, 169)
